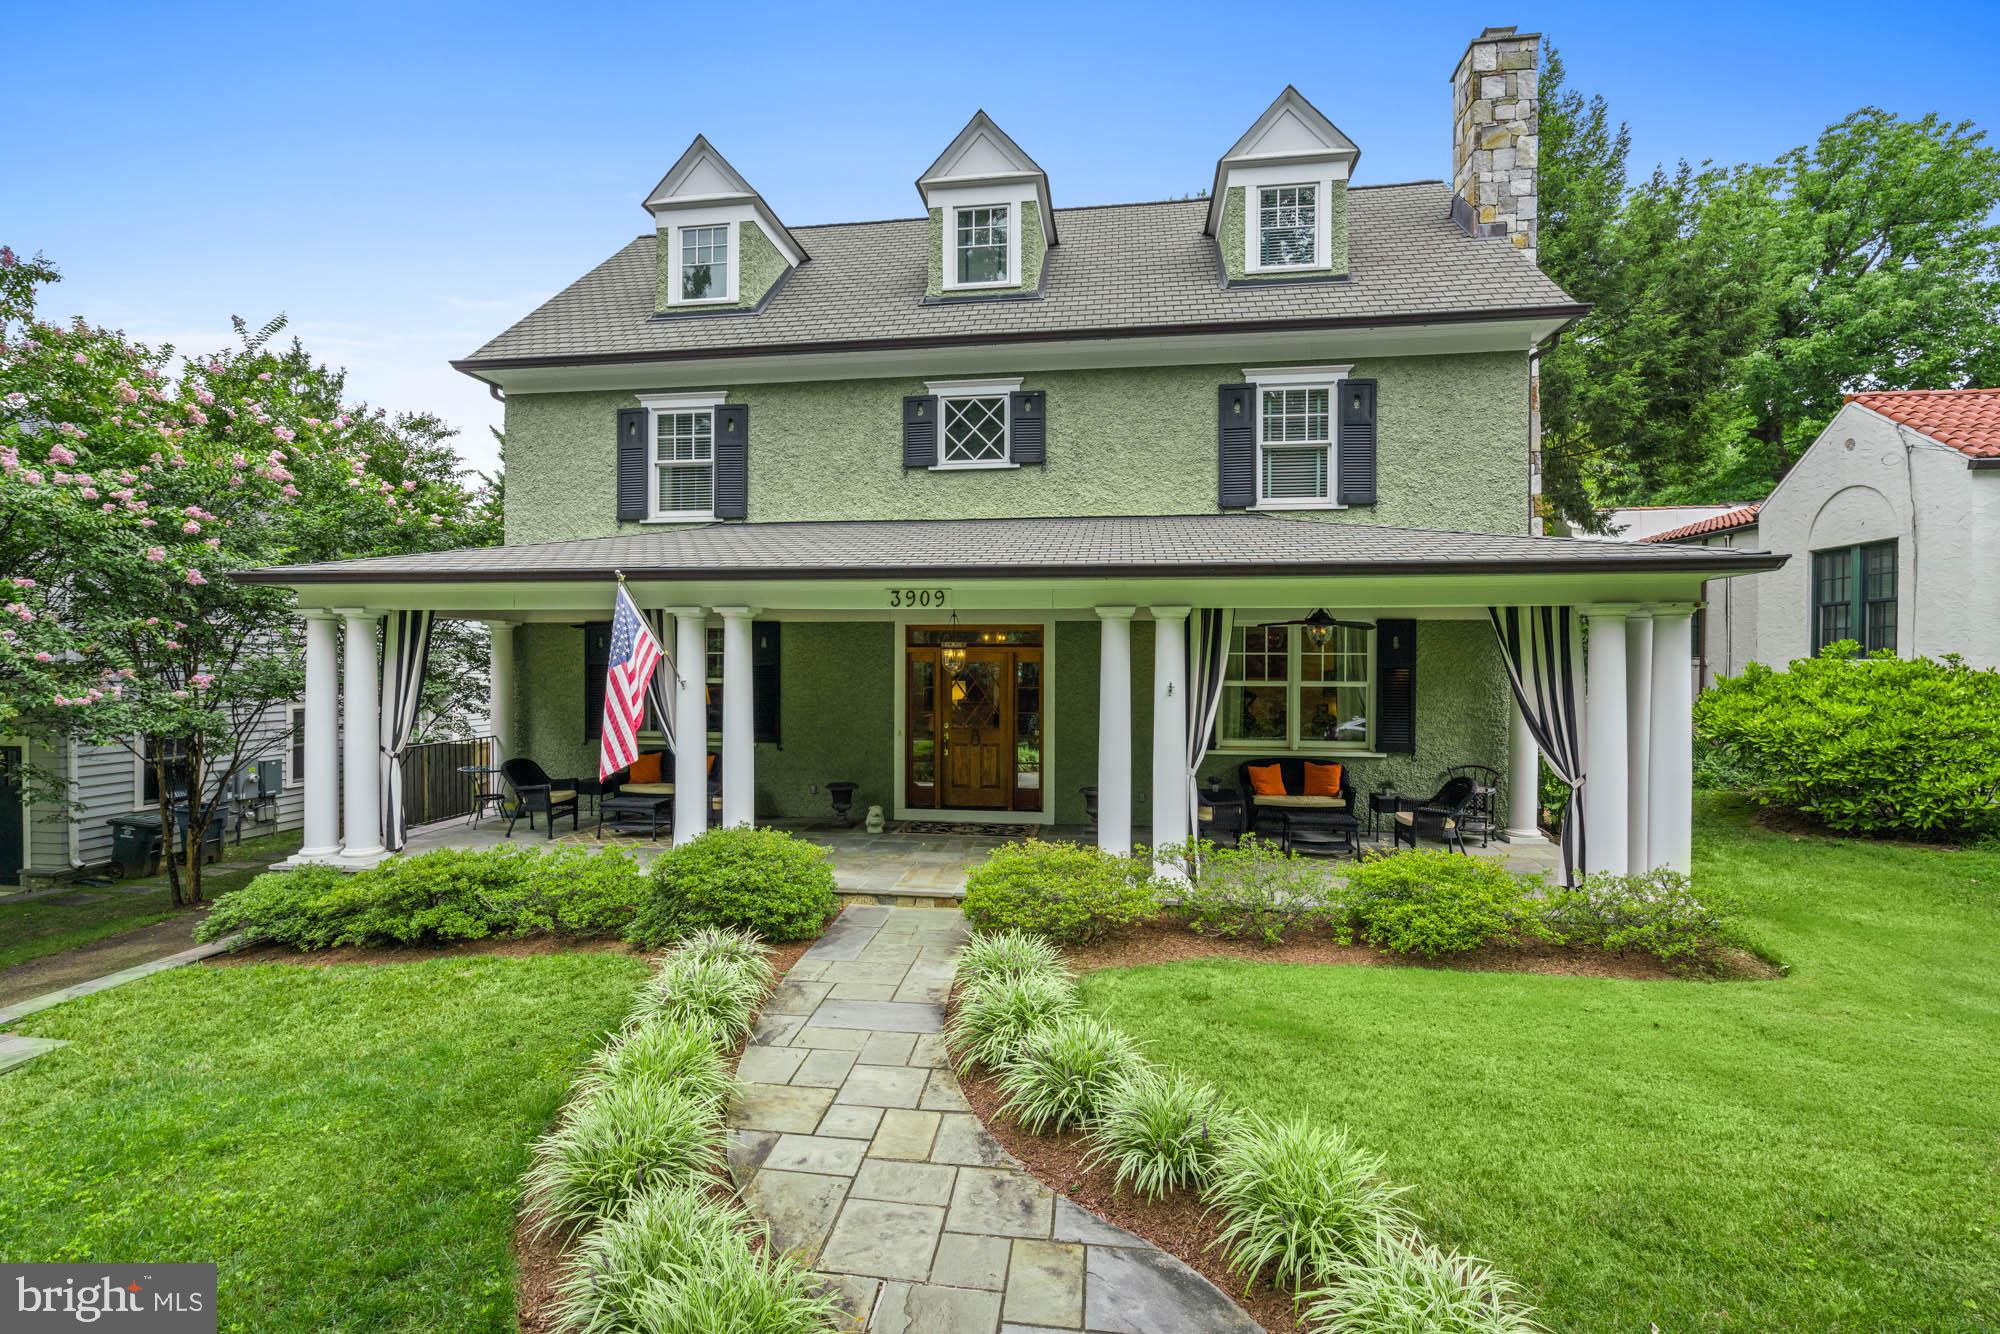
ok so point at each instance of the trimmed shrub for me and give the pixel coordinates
(664, 1052)
(567, 891)
(1070, 893)
(283, 907)
(1162, 1131)
(1256, 891)
(718, 995)
(616, 1142)
(996, 1015)
(676, 1259)
(1004, 954)
(1656, 913)
(742, 949)
(1298, 1199)
(761, 880)
(1433, 904)
(1412, 1285)
(1062, 1075)
(1881, 745)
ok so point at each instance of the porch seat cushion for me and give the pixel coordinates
(1295, 801)
(563, 794)
(646, 789)
(1410, 818)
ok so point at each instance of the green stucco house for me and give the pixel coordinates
(984, 507)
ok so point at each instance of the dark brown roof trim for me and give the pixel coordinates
(1569, 311)
(1735, 562)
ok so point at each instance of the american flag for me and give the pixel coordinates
(634, 655)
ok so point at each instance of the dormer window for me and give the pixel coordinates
(1287, 227)
(704, 263)
(982, 250)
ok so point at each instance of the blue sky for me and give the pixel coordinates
(404, 181)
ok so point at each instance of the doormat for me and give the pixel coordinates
(950, 827)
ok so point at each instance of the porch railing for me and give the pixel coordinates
(433, 786)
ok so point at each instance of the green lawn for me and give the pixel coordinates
(344, 1141)
(1817, 1152)
(39, 927)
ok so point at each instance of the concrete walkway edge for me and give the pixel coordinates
(48, 999)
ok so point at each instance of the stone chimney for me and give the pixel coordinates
(1495, 121)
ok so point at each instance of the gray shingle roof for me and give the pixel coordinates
(1119, 267)
(1166, 545)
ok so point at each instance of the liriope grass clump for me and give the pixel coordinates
(996, 1015)
(717, 993)
(676, 1259)
(1061, 1075)
(1004, 954)
(617, 1141)
(1299, 1200)
(1409, 1284)
(1161, 1130)
(664, 1051)
(741, 947)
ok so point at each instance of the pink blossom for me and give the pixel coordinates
(190, 527)
(148, 523)
(17, 399)
(23, 583)
(263, 375)
(283, 433)
(212, 543)
(19, 610)
(88, 493)
(107, 508)
(197, 416)
(180, 694)
(156, 554)
(202, 680)
(289, 490)
(152, 620)
(45, 656)
(126, 393)
(171, 643)
(215, 368)
(194, 578)
(61, 454)
(339, 423)
(410, 485)
(312, 421)
(32, 476)
(80, 359)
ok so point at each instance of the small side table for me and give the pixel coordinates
(1388, 803)
(484, 796)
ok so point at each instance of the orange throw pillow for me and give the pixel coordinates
(1267, 780)
(1322, 780)
(645, 769)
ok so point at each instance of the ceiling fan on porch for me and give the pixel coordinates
(1320, 624)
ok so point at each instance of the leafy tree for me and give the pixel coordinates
(130, 492)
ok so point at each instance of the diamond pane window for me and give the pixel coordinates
(981, 244)
(684, 458)
(1287, 225)
(704, 262)
(975, 430)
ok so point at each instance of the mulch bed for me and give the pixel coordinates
(1168, 940)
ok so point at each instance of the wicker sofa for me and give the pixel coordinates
(1265, 812)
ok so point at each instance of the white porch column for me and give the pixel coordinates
(1671, 791)
(690, 687)
(1114, 729)
(1638, 742)
(1524, 778)
(1607, 812)
(500, 689)
(739, 746)
(361, 743)
(322, 776)
(1170, 724)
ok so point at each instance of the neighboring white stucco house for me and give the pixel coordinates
(1893, 517)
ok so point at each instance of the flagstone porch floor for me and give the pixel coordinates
(897, 866)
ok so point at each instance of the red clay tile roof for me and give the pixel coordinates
(1966, 419)
(1741, 517)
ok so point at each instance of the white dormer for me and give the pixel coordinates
(1284, 186)
(720, 243)
(994, 219)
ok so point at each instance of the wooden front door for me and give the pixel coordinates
(978, 729)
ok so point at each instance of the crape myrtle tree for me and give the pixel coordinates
(133, 485)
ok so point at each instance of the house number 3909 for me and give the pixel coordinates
(917, 597)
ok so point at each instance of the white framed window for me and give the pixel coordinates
(1290, 687)
(680, 482)
(705, 263)
(295, 745)
(980, 245)
(974, 426)
(1288, 226)
(1297, 467)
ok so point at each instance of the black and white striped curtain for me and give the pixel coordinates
(406, 649)
(662, 688)
(1208, 656)
(1544, 651)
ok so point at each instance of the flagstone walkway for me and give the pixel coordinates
(853, 1141)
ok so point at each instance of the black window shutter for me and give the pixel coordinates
(920, 431)
(596, 660)
(1355, 459)
(1396, 687)
(732, 461)
(1236, 443)
(1027, 426)
(632, 434)
(764, 663)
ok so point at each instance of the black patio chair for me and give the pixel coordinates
(535, 791)
(1442, 818)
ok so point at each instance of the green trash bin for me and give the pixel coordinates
(135, 843)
